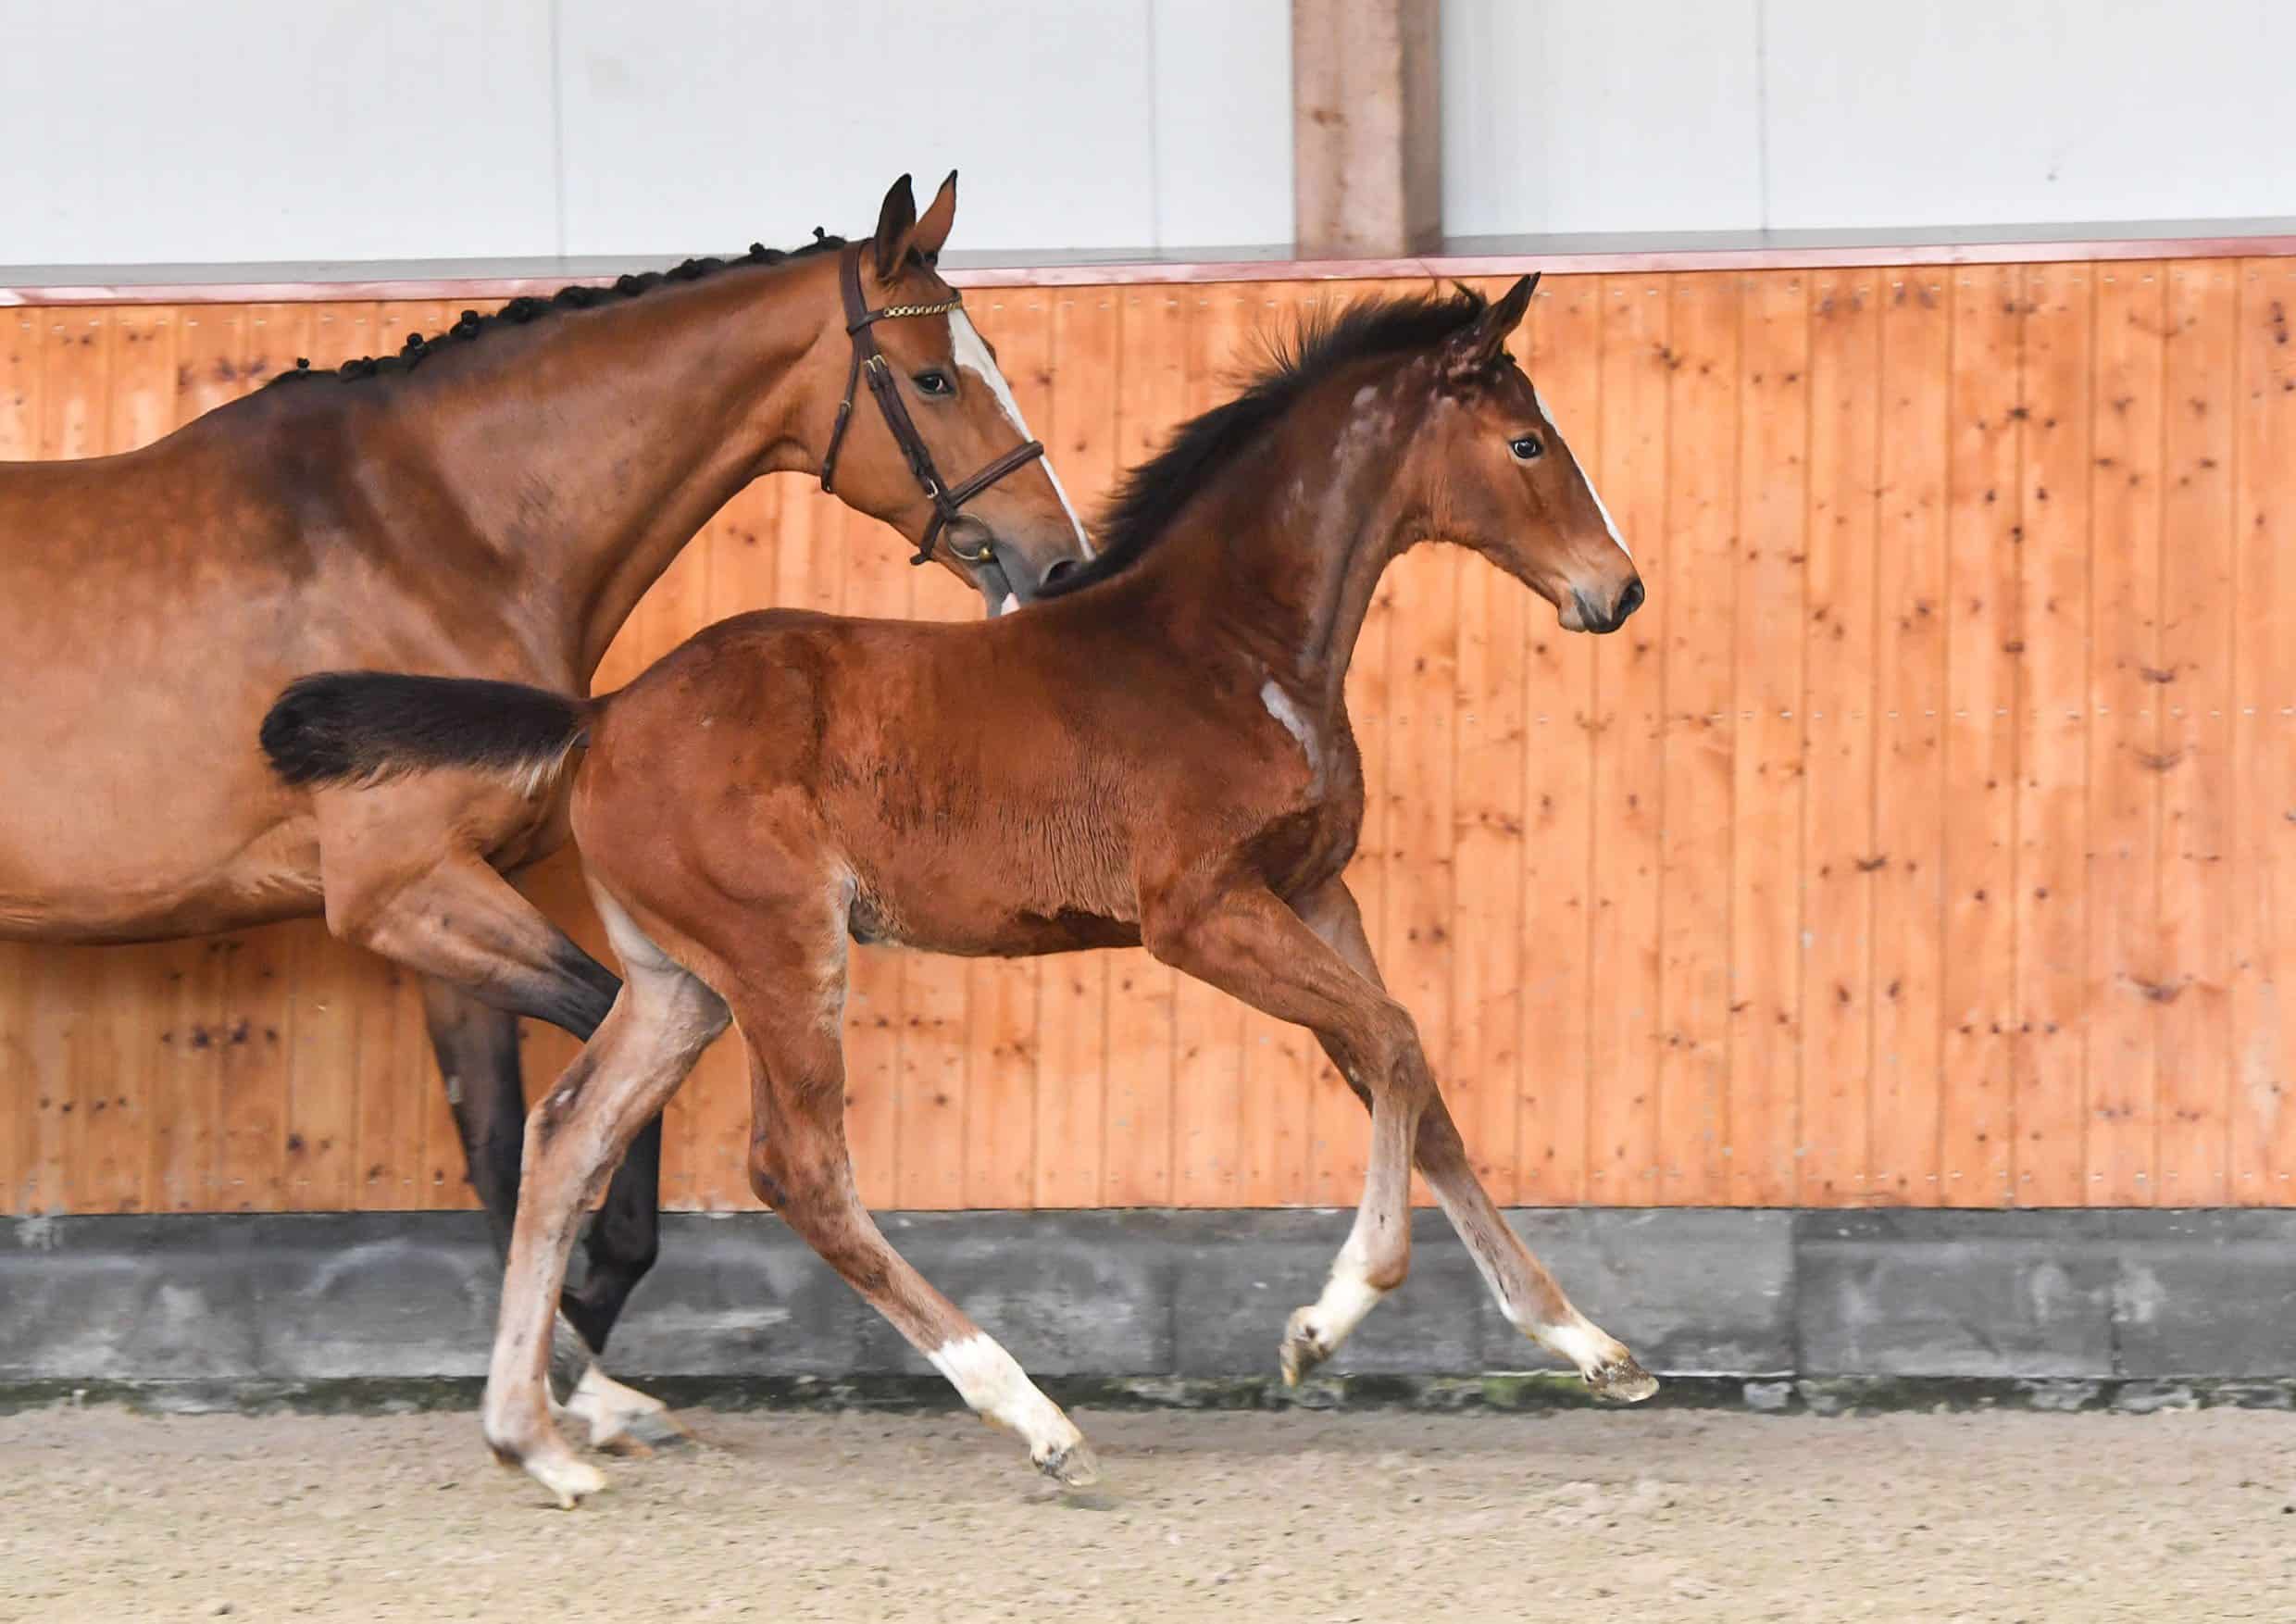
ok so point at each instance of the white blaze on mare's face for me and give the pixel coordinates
(972, 356)
(1609, 524)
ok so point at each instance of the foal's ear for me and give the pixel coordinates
(895, 221)
(932, 228)
(1476, 349)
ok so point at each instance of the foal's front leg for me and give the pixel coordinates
(1528, 1295)
(1246, 942)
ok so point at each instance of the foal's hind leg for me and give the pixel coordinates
(659, 1026)
(1527, 1294)
(800, 1167)
(477, 1047)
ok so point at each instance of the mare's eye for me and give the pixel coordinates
(1527, 449)
(934, 383)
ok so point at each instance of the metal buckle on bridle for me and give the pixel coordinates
(947, 504)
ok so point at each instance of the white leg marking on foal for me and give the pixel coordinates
(611, 1410)
(1314, 1334)
(991, 1382)
(972, 356)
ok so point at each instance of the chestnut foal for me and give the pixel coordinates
(1165, 759)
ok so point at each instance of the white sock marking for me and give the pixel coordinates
(991, 1382)
(972, 356)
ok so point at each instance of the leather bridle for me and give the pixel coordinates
(870, 361)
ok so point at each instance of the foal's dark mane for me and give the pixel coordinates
(579, 296)
(1152, 494)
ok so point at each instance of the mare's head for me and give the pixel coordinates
(1007, 537)
(1492, 471)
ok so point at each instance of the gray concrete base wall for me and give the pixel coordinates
(250, 1300)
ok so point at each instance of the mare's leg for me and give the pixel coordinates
(658, 1027)
(1527, 1294)
(799, 1166)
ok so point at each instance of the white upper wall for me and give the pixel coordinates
(255, 129)
(1685, 115)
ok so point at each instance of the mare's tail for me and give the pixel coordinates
(359, 726)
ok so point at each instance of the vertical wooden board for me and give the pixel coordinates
(2264, 801)
(1487, 901)
(333, 985)
(1208, 1025)
(82, 998)
(1701, 586)
(876, 584)
(740, 555)
(183, 1137)
(1980, 741)
(401, 1106)
(1566, 360)
(253, 1047)
(1422, 683)
(1280, 1061)
(2197, 626)
(2049, 1162)
(1629, 784)
(1910, 614)
(1768, 833)
(140, 406)
(1042, 1028)
(2125, 682)
(1838, 849)
(22, 360)
(1153, 372)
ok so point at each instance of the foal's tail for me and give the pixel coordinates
(359, 726)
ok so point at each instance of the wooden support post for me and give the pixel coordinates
(1366, 136)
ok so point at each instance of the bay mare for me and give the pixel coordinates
(491, 503)
(1159, 753)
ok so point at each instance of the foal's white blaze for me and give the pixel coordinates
(1609, 524)
(973, 356)
(991, 1382)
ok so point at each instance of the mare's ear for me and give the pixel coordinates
(932, 228)
(1474, 350)
(896, 221)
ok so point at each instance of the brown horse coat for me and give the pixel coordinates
(1161, 754)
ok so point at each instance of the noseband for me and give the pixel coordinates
(870, 361)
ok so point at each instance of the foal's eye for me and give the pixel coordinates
(935, 383)
(1527, 449)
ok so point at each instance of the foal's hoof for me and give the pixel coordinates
(1304, 1346)
(1622, 1381)
(1073, 1465)
(570, 1481)
(622, 1419)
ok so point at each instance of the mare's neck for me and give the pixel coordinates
(584, 450)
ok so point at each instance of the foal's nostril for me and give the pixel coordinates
(1060, 567)
(1628, 600)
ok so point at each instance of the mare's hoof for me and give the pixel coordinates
(1622, 1381)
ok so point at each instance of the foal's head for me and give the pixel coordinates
(1494, 475)
(1017, 532)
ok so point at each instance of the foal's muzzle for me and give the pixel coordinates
(1594, 616)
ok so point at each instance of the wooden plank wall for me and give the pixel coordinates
(1929, 838)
